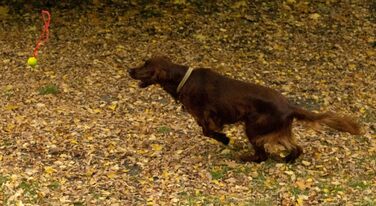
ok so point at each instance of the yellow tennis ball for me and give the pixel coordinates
(32, 61)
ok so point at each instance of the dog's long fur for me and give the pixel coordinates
(215, 100)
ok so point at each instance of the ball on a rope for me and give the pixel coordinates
(32, 61)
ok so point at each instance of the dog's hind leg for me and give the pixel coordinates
(268, 137)
(287, 139)
(255, 131)
(260, 154)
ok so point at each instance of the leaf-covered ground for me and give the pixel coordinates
(76, 130)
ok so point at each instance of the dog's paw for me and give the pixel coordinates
(294, 154)
(226, 141)
(222, 138)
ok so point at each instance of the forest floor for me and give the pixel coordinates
(77, 130)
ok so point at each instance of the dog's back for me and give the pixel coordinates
(231, 98)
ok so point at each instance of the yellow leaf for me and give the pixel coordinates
(302, 6)
(73, 141)
(289, 172)
(325, 190)
(9, 127)
(301, 184)
(147, 111)
(261, 58)
(306, 163)
(371, 52)
(352, 66)
(113, 106)
(239, 4)
(11, 107)
(180, 2)
(283, 154)
(215, 182)
(8, 88)
(19, 203)
(63, 181)
(93, 181)
(142, 151)
(197, 192)
(3, 11)
(49, 170)
(89, 137)
(90, 171)
(314, 16)
(317, 155)
(329, 199)
(232, 141)
(199, 37)
(111, 175)
(278, 47)
(19, 118)
(268, 182)
(299, 201)
(362, 110)
(150, 202)
(97, 111)
(156, 147)
(165, 174)
(222, 198)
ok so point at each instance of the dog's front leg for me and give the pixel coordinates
(221, 137)
(210, 128)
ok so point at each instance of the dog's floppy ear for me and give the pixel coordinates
(159, 74)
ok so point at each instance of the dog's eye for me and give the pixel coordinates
(147, 62)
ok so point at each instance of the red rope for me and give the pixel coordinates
(45, 32)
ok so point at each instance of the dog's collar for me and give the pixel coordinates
(184, 80)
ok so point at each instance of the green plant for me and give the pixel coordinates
(54, 185)
(49, 89)
(164, 129)
(219, 172)
(359, 184)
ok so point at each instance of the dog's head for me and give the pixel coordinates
(151, 72)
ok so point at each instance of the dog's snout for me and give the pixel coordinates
(131, 71)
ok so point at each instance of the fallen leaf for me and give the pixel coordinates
(306, 163)
(156, 147)
(113, 106)
(4, 12)
(301, 184)
(180, 2)
(11, 107)
(49, 170)
(200, 37)
(239, 4)
(111, 174)
(314, 16)
(299, 201)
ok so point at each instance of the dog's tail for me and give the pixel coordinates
(340, 123)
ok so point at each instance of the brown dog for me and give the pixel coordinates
(215, 100)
